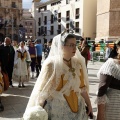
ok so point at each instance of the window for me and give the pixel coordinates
(67, 15)
(15, 22)
(25, 23)
(52, 30)
(55, 3)
(67, 27)
(39, 31)
(39, 21)
(30, 23)
(45, 22)
(45, 30)
(77, 13)
(42, 8)
(59, 29)
(52, 19)
(67, 1)
(42, 30)
(31, 31)
(77, 27)
(13, 5)
(59, 17)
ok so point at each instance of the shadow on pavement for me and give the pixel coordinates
(92, 94)
(92, 69)
(14, 106)
(93, 75)
(93, 81)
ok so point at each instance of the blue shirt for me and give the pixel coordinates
(38, 49)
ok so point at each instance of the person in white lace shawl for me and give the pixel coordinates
(108, 98)
(22, 61)
(62, 86)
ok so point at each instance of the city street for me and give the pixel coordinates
(15, 99)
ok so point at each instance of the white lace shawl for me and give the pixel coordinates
(51, 72)
(21, 50)
(48, 81)
(110, 67)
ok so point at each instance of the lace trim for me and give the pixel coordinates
(73, 83)
(102, 100)
(110, 68)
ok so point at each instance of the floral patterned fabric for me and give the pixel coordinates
(59, 110)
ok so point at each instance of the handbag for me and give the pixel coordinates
(5, 80)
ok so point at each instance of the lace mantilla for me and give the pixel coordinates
(102, 100)
(110, 68)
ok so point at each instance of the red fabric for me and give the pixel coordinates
(89, 55)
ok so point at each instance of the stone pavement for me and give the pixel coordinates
(15, 99)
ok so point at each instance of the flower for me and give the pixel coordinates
(35, 113)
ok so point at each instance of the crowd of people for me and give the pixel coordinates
(62, 86)
(17, 61)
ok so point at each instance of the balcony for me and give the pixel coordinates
(52, 21)
(59, 19)
(59, 31)
(39, 23)
(45, 22)
(67, 18)
(77, 30)
(14, 6)
(77, 16)
(39, 33)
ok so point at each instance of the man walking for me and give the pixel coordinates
(38, 47)
(7, 54)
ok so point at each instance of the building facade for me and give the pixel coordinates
(108, 23)
(29, 24)
(54, 16)
(10, 17)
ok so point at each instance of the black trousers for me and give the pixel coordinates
(9, 70)
(33, 61)
(38, 65)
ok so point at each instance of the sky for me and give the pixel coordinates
(27, 3)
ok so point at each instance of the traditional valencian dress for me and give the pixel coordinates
(58, 88)
(21, 61)
(72, 105)
(109, 89)
(64, 102)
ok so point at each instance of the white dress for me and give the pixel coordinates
(46, 88)
(21, 70)
(57, 107)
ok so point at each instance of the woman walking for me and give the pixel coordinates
(62, 86)
(108, 98)
(21, 65)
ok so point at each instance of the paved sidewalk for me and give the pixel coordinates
(15, 99)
